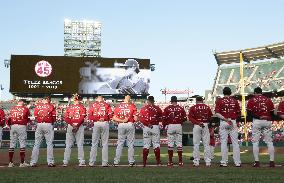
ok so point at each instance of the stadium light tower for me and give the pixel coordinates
(82, 38)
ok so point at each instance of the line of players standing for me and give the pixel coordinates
(260, 108)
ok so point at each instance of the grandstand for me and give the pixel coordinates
(264, 67)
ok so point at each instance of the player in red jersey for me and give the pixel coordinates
(151, 116)
(45, 115)
(228, 109)
(261, 109)
(17, 121)
(74, 116)
(125, 114)
(200, 115)
(2, 124)
(100, 113)
(174, 116)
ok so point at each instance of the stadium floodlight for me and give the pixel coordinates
(82, 38)
(7, 63)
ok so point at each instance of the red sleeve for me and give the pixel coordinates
(217, 106)
(160, 113)
(280, 110)
(82, 116)
(250, 105)
(141, 115)
(165, 117)
(191, 116)
(270, 105)
(210, 114)
(53, 112)
(66, 116)
(116, 111)
(90, 113)
(109, 111)
(2, 118)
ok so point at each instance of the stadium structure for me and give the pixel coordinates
(82, 38)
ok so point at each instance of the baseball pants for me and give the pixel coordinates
(198, 134)
(174, 134)
(125, 131)
(258, 127)
(44, 130)
(151, 135)
(100, 129)
(232, 130)
(18, 132)
(70, 139)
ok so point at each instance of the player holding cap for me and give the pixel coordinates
(45, 115)
(17, 121)
(125, 114)
(74, 116)
(150, 116)
(100, 113)
(228, 109)
(261, 109)
(200, 114)
(2, 124)
(174, 115)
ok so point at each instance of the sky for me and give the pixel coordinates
(178, 36)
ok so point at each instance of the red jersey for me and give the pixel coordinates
(281, 108)
(45, 113)
(228, 107)
(150, 115)
(174, 114)
(100, 110)
(75, 114)
(2, 118)
(260, 105)
(199, 113)
(126, 110)
(18, 115)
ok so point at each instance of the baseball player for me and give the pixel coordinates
(2, 124)
(150, 116)
(200, 114)
(100, 113)
(125, 114)
(17, 121)
(74, 116)
(130, 83)
(261, 109)
(174, 115)
(45, 115)
(228, 109)
(280, 111)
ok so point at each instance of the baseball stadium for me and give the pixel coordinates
(91, 114)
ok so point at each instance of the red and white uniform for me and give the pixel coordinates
(174, 116)
(100, 113)
(280, 110)
(74, 116)
(125, 130)
(18, 120)
(200, 115)
(229, 108)
(261, 107)
(150, 116)
(45, 115)
(2, 123)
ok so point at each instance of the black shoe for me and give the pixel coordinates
(131, 164)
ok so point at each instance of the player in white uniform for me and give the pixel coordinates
(100, 113)
(200, 115)
(74, 116)
(125, 115)
(45, 115)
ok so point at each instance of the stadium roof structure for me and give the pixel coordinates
(251, 54)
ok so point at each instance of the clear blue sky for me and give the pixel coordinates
(178, 36)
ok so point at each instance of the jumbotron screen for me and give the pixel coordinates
(32, 74)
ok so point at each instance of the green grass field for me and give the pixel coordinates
(188, 173)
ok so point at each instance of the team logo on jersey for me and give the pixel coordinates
(43, 68)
